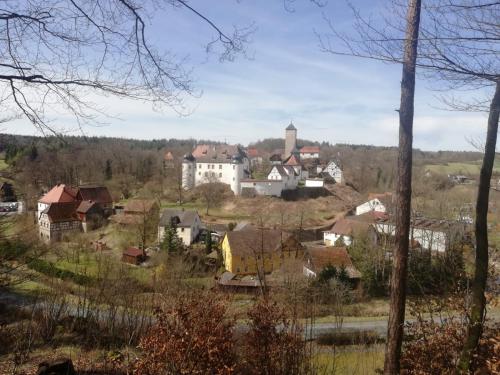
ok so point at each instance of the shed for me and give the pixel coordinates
(133, 255)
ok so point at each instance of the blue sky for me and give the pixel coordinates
(329, 98)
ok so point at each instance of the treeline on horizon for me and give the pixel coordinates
(130, 166)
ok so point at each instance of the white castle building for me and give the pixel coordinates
(227, 164)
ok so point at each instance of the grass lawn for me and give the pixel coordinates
(354, 360)
(3, 165)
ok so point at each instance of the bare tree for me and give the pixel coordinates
(57, 52)
(458, 47)
(212, 191)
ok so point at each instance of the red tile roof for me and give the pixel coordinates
(310, 149)
(253, 152)
(85, 206)
(59, 193)
(292, 161)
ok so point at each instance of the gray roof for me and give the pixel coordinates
(291, 127)
(186, 218)
(219, 154)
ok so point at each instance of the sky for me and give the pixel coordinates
(284, 77)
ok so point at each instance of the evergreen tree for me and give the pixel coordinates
(171, 241)
(208, 241)
(108, 172)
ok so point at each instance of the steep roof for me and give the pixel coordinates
(217, 153)
(291, 127)
(139, 205)
(85, 206)
(59, 194)
(185, 218)
(94, 193)
(348, 225)
(168, 156)
(292, 161)
(337, 257)
(255, 241)
(310, 149)
(62, 211)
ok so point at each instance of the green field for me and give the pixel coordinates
(468, 168)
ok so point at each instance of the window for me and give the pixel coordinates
(220, 166)
(234, 166)
(199, 173)
(233, 179)
(206, 174)
(199, 166)
(182, 229)
(242, 259)
(220, 175)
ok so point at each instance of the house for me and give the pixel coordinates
(276, 158)
(376, 202)
(186, 222)
(91, 215)
(58, 194)
(317, 258)
(133, 255)
(254, 156)
(168, 160)
(294, 161)
(137, 211)
(334, 171)
(350, 226)
(97, 194)
(430, 234)
(227, 164)
(254, 251)
(309, 152)
(58, 219)
(286, 174)
(7, 193)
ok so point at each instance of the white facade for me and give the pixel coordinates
(329, 238)
(429, 239)
(335, 172)
(186, 233)
(264, 187)
(315, 182)
(229, 172)
(309, 155)
(290, 179)
(372, 205)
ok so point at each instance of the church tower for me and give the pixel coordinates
(290, 139)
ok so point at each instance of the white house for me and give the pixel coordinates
(286, 174)
(334, 171)
(187, 223)
(227, 164)
(309, 152)
(431, 234)
(376, 202)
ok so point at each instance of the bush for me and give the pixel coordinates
(49, 269)
(344, 338)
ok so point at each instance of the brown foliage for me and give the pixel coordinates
(193, 337)
(274, 343)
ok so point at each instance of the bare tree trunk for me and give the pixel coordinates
(478, 303)
(403, 191)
